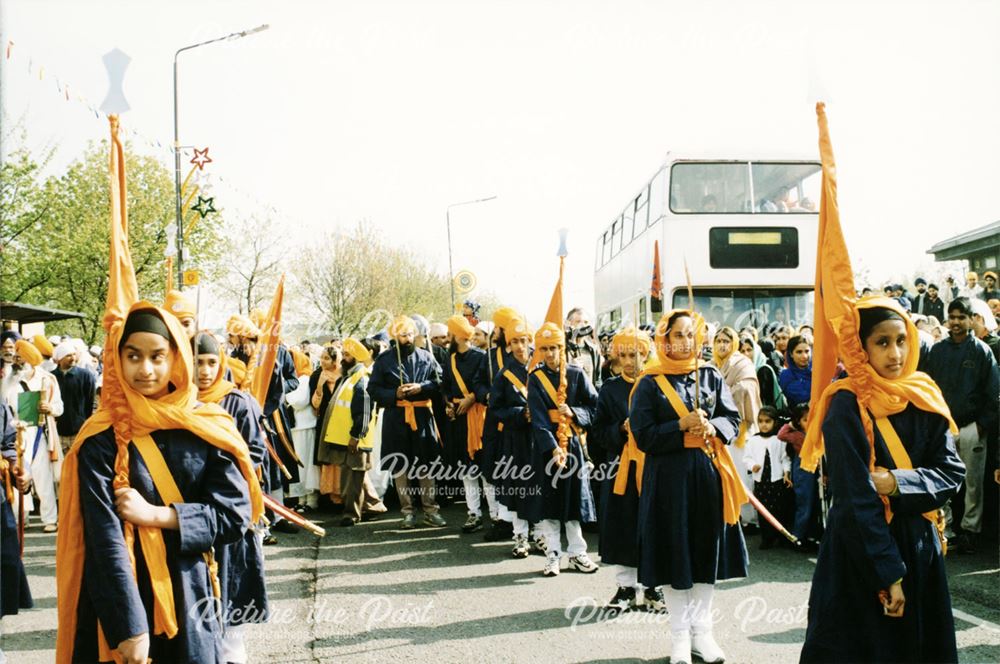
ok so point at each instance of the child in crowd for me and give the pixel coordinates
(767, 459)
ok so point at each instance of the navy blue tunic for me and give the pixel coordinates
(469, 365)
(514, 471)
(14, 591)
(565, 492)
(241, 564)
(862, 554)
(216, 511)
(488, 372)
(619, 515)
(683, 539)
(400, 444)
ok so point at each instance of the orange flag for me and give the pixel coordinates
(834, 276)
(554, 314)
(656, 287)
(270, 339)
(122, 288)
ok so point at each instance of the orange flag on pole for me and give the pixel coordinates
(270, 338)
(122, 288)
(834, 278)
(656, 287)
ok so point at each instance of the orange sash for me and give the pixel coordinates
(409, 414)
(734, 494)
(630, 453)
(902, 460)
(475, 416)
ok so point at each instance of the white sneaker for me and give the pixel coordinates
(704, 646)
(680, 647)
(520, 549)
(583, 563)
(551, 564)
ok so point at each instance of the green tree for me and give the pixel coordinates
(63, 261)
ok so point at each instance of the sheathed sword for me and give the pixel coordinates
(293, 517)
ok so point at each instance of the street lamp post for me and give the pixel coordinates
(447, 219)
(177, 146)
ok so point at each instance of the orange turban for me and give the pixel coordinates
(28, 352)
(43, 345)
(460, 328)
(357, 350)
(241, 326)
(402, 325)
(503, 316)
(630, 338)
(516, 328)
(548, 334)
(180, 305)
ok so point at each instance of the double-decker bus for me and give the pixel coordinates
(746, 226)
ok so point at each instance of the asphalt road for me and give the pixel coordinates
(375, 593)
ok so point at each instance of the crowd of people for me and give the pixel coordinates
(655, 437)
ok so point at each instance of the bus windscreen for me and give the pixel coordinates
(750, 307)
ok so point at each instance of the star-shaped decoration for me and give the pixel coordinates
(203, 180)
(204, 206)
(200, 158)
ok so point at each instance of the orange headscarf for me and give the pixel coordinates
(220, 387)
(303, 365)
(131, 414)
(881, 396)
(666, 365)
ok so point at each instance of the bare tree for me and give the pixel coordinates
(255, 251)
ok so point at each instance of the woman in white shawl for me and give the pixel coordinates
(741, 377)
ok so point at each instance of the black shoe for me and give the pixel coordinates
(285, 526)
(347, 521)
(966, 542)
(624, 600)
(652, 600)
(270, 540)
(500, 531)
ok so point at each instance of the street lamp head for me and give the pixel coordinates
(251, 31)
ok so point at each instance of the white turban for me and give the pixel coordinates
(439, 329)
(62, 350)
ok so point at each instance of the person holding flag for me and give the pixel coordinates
(153, 482)
(561, 402)
(683, 418)
(880, 588)
(619, 516)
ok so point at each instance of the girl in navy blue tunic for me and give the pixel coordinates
(689, 534)
(880, 590)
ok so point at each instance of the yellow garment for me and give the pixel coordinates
(460, 328)
(630, 453)
(549, 334)
(357, 350)
(259, 318)
(719, 358)
(238, 369)
(28, 352)
(516, 328)
(475, 416)
(180, 305)
(734, 494)
(43, 345)
(410, 413)
(565, 428)
(338, 428)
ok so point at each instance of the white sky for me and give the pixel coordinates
(392, 110)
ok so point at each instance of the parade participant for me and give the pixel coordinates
(515, 445)
(7, 340)
(274, 422)
(403, 380)
(499, 355)
(767, 460)
(689, 509)
(42, 451)
(303, 421)
(178, 477)
(14, 591)
(483, 333)
(439, 335)
(184, 309)
(46, 348)
(619, 515)
(880, 588)
(562, 402)
(466, 407)
(350, 427)
(77, 387)
(243, 598)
